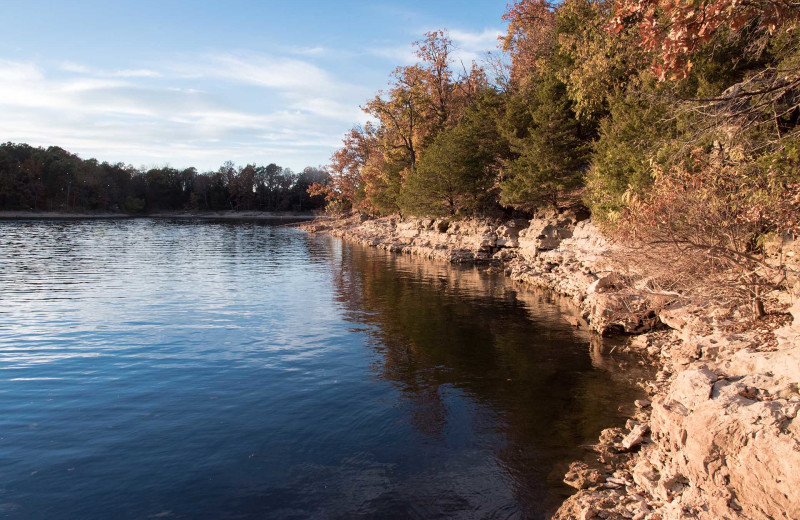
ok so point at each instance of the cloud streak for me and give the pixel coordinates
(291, 106)
(468, 47)
(157, 115)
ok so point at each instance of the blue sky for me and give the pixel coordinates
(196, 83)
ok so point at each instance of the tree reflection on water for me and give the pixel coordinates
(439, 330)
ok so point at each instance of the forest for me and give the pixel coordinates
(641, 110)
(53, 179)
(676, 123)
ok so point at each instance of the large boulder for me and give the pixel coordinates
(544, 234)
(726, 448)
(627, 311)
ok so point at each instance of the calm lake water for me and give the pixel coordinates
(204, 370)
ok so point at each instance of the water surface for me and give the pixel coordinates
(215, 370)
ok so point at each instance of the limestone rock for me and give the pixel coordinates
(581, 476)
(635, 437)
(626, 311)
(609, 282)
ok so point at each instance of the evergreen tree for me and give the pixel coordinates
(550, 153)
(457, 173)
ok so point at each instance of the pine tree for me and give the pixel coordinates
(550, 153)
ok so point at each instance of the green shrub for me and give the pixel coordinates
(635, 134)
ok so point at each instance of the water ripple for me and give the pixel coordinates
(207, 370)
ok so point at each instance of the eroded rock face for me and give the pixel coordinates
(581, 476)
(624, 310)
(546, 234)
(727, 433)
(724, 441)
(561, 252)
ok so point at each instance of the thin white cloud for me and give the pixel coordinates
(399, 55)
(136, 73)
(309, 51)
(78, 68)
(88, 84)
(468, 47)
(19, 72)
(302, 85)
(71, 66)
(266, 71)
(483, 41)
(126, 116)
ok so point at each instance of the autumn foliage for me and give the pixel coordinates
(702, 225)
(530, 37)
(678, 120)
(674, 30)
(422, 101)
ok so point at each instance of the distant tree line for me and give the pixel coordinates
(53, 179)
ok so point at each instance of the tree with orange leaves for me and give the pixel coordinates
(346, 189)
(530, 37)
(422, 100)
(676, 29)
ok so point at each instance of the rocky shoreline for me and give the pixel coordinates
(717, 439)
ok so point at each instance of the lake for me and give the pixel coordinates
(185, 369)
